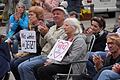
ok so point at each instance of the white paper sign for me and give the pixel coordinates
(59, 50)
(28, 41)
(3, 31)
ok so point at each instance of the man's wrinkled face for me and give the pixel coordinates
(112, 46)
(58, 16)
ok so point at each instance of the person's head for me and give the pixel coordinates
(35, 2)
(36, 13)
(97, 24)
(20, 7)
(59, 14)
(73, 14)
(113, 42)
(72, 26)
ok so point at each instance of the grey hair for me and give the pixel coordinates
(21, 4)
(75, 23)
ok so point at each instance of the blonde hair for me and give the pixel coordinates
(39, 11)
(75, 23)
(115, 37)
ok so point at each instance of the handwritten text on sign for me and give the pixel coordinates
(28, 41)
(59, 50)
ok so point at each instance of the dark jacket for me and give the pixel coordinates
(110, 61)
(4, 59)
(5, 52)
(100, 42)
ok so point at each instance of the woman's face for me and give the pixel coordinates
(20, 9)
(95, 27)
(32, 17)
(68, 28)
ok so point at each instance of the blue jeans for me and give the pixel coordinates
(26, 68)
(108, 75)
(15, 62)
(90, 64)
(100, 71)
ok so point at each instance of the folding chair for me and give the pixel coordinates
(89, 41)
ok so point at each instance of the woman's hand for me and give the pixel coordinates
(48, 62)
(88, 31)
(17, 16)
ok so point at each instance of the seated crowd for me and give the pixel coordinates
(59, 24)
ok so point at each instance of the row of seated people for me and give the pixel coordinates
(104, 65)
(50, 37)
(102, 59)
(25, 67)
(111, 72)
(10, 6)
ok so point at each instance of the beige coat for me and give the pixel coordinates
(51, 37)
